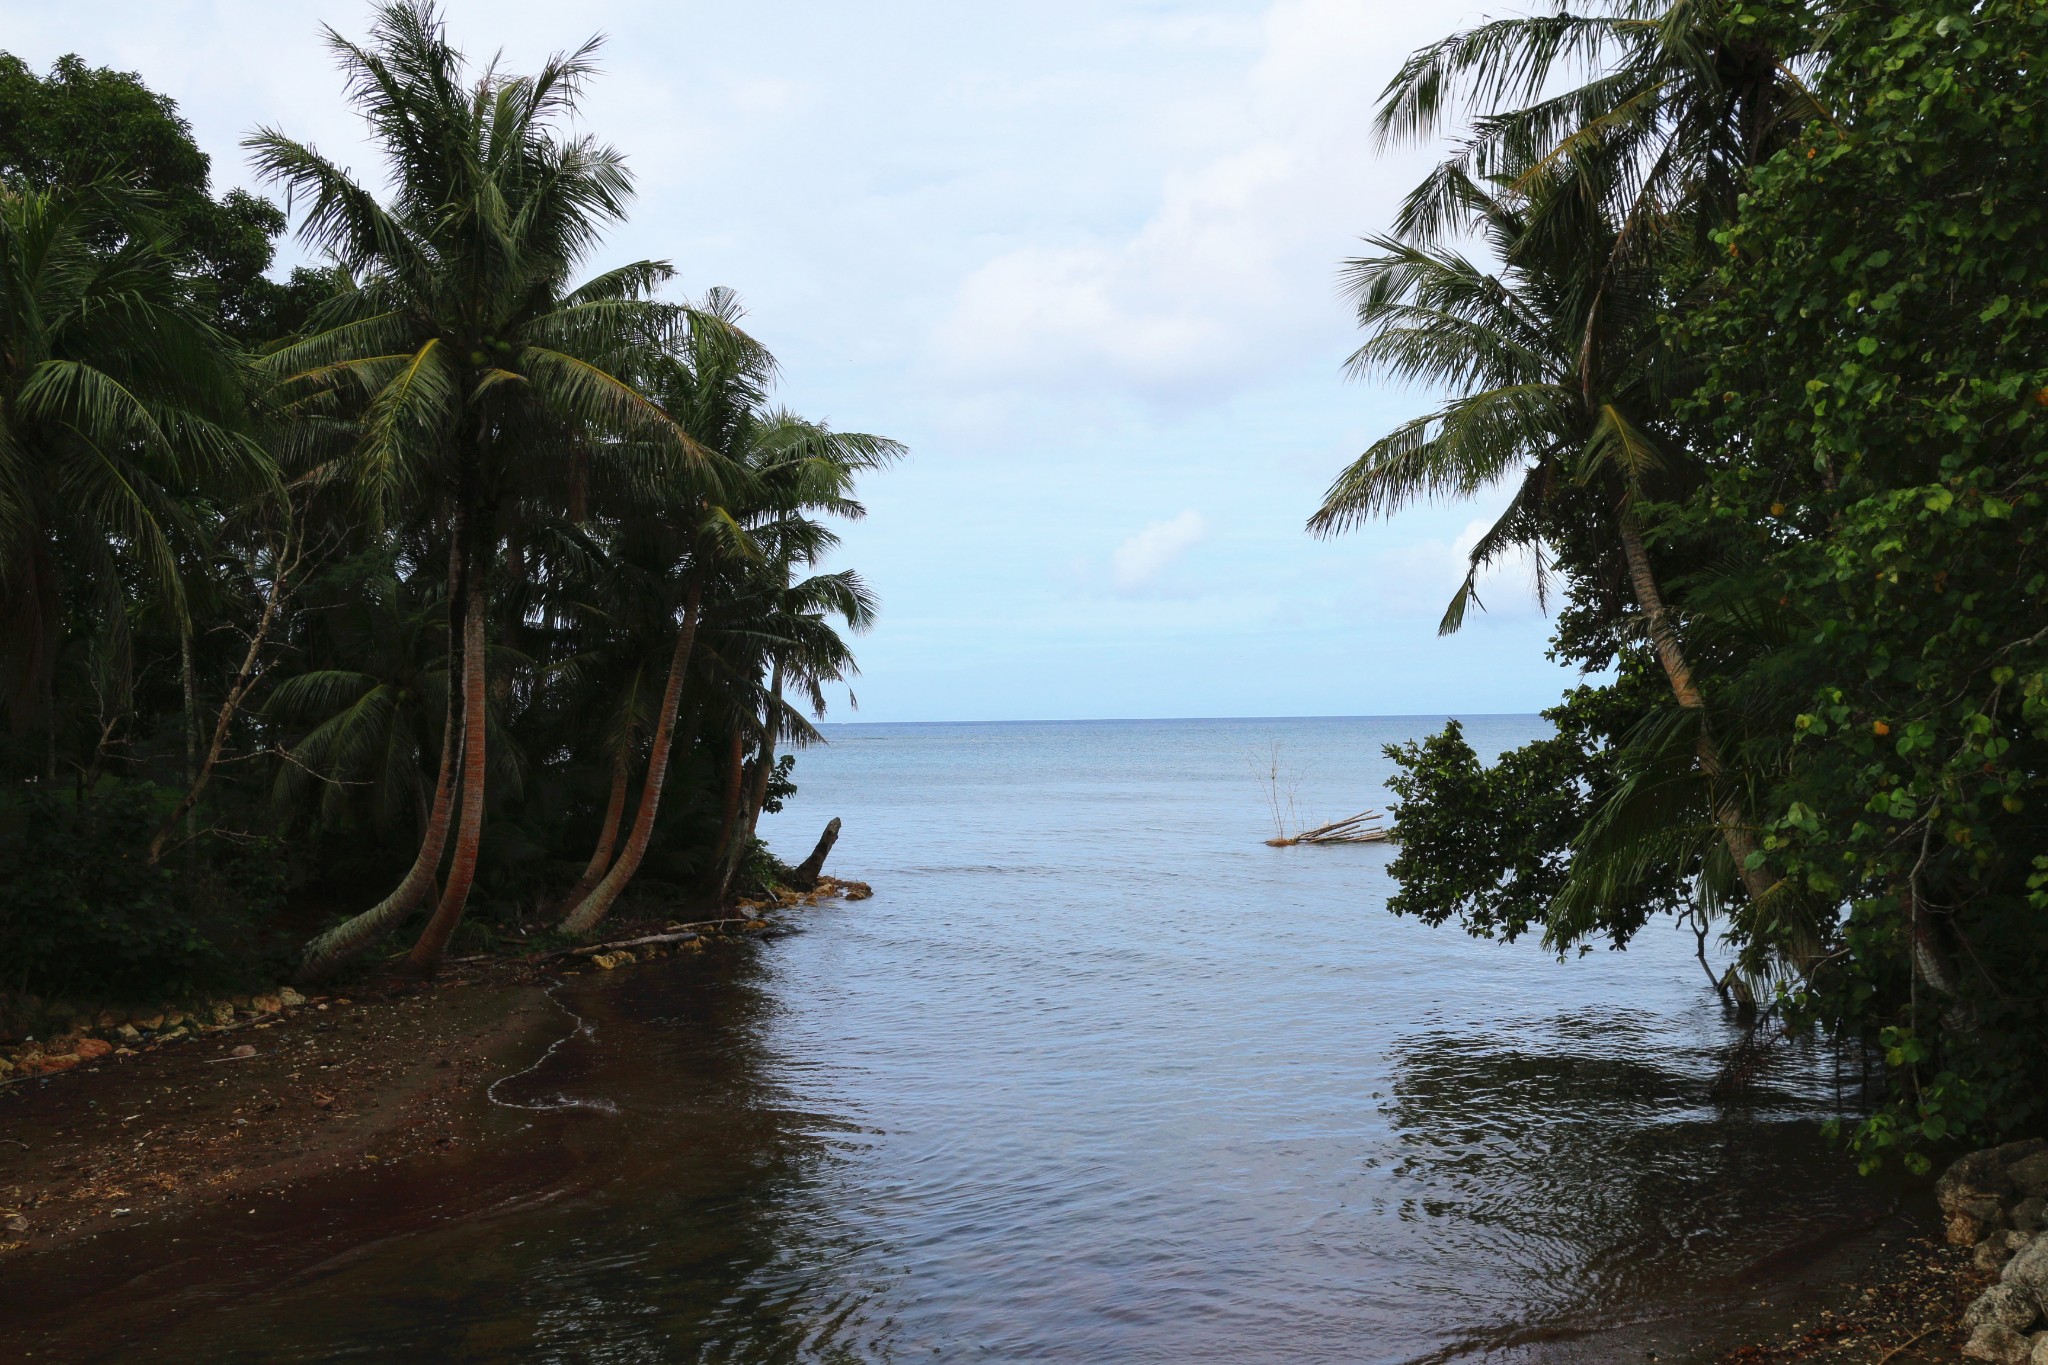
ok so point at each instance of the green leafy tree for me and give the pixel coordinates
(1876, 392)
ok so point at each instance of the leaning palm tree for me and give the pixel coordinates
(802, 470)
(466, 362)
(712, 385)
(1680, 99)
(1558, 370)
(122, 414)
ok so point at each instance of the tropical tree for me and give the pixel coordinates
(464, 359)
(803, 470)
(1680, 99)
(712, 385)
(121, 405)
(1598, 201)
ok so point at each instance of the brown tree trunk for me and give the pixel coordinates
(757, 786)
(238, 692)
(1728, 814)
(425, 957)
(599, 902)
(187, 676)
(607, 836)
(764, 759)
(805, 876)
(330, 951)
(729, 813)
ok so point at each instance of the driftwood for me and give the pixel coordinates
(1362, 828)
(684, 933)
(805, 877)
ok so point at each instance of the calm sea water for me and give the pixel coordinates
(1095, 1076)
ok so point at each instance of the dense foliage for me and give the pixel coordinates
(452, 574)
(1801, 499)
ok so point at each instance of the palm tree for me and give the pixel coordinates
(1551, 360)
(1601, 194)
(120, 405)
(1683, 97)
(364, 718)
(465, 360)
(803, 469)
(740, 542)
(712, 385)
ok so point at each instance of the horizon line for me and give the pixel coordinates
(1165, 720)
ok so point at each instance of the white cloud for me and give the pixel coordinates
(1140, 560)
(1232, 272)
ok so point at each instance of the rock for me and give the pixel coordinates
(62, 1061)
(2007, 1305)
(1970, 1221)
(89, 1048)
(2000, 1344)
(151, 1022)
(17, 1224)
(2031, 1214)
(223, 1013)
(109, 1019)
(266, 1004)
(5, 1067)
(2029, 1269)
(2019, 1151)
(171, 1034)
(174, 1018)
(128, 1033)
(245, 1050)
(1979, 1175)
(2039, 1354)
(1990, 1254)
(2030, 1174)
(289, 998)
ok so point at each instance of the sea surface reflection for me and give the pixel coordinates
(1095, 1076)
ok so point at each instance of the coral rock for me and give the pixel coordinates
(1998, 1344)
(2030, 1174)
(1970, 1221)
(90, 1048)
(1980, 1175)
(2007, 1305)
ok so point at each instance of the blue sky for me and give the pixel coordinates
(1081, 258)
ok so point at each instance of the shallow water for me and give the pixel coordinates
(1094, 1076)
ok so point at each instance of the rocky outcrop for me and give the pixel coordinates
(1994, 1201)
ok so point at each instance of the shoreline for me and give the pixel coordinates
(372, 1117)
(383, 1070)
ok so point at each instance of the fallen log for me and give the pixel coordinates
(684, 933)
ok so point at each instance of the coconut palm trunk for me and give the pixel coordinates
(332, 950)
(729, 814)
(1728, 814)
(607, 836)
(599, 902)
(756, 788)
(425, 957)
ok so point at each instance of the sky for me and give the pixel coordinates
(1081, 258)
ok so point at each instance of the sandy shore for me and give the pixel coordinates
(384, 1076)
